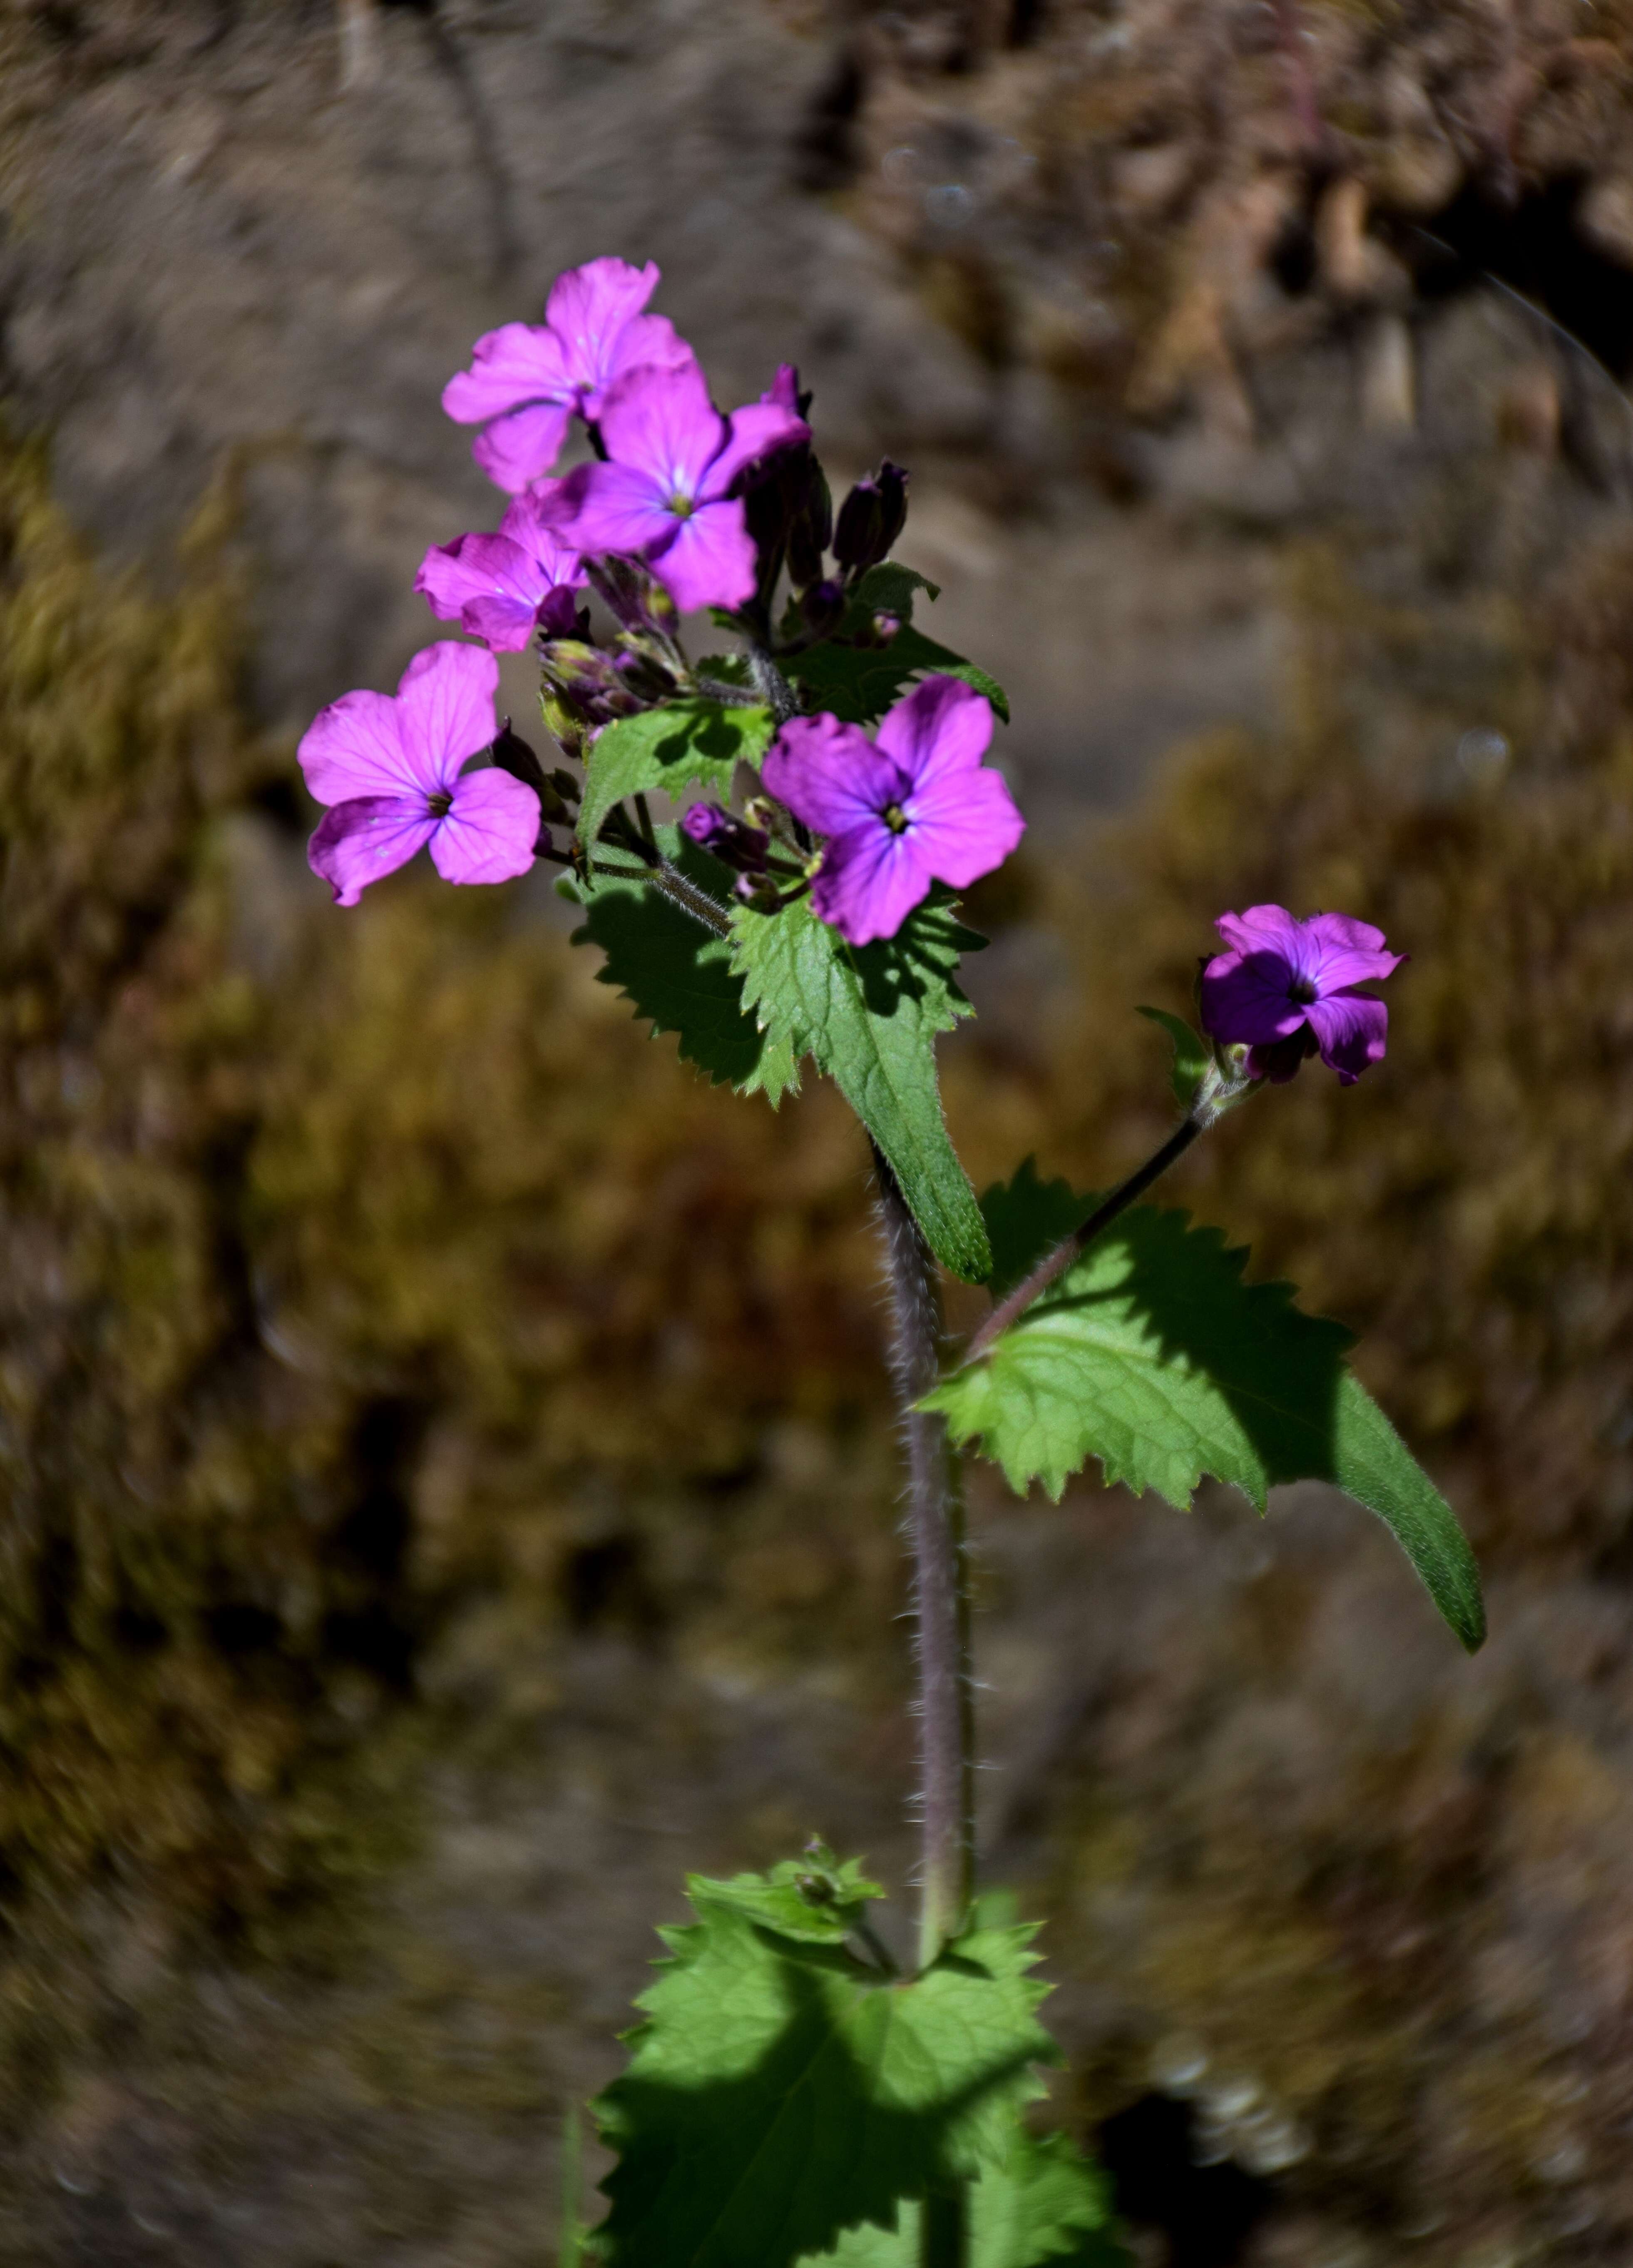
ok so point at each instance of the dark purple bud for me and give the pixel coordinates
(821, 607)
(870, 519)
(726, 837)
(560, 614)
(513, 755)
(811, 530)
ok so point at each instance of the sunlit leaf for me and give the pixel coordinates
(779, 2092)
(870, 1015)
(1152, 1355)
(687, 744)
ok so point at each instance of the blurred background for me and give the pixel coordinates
(448, 1488)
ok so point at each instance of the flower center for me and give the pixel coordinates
(1303, 991)
(894, 818)
(439, 806)
(681, 504)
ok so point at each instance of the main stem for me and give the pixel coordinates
(941, 1582)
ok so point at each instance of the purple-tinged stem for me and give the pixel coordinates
(940, 1586)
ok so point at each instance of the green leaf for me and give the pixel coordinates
(859, 682)
(680, 977)
(1152, 1354)
(811, 1898)
(1191, 1054)
(870, 1015)
(890, 588)
(687, 744)
(780, 2093)
(1044, 2205)
(1027, 1218)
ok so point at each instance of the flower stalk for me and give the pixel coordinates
(1215, 1093)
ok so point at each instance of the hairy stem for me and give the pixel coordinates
(941, 1581)
(770, 684)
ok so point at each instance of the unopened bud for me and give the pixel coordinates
(726, 837)
(760, 891)
(871, 518)
(811, 529)
(821, 607)
(513, 755)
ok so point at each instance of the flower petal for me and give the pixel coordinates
(359, 840)
(446, 712)
(964, 824)
(869, 883)
(504, 625)
(353, 747)
(1261, 929)
(489, 831)
(522, 447)
(752, 432)
(589, 306)
(478, 567)
(944, 726)
(831, 775)
(1350, 1030)
(518, 362)
(711, 561)
(649, 343)
(1245, 997)
(1348, 952)
(663, 423)
(609, 508)
(526, 525)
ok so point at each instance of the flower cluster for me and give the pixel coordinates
(677, 507)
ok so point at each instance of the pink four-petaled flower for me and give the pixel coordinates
(663, 493)
(526, 380)
(915, 806)
(1286, 988)
(501, 588)
(390, 767)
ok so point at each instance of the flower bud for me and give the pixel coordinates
(870, 519)
(760, 891)
(513, 755)
(821, 607)
(811, 530)
(726, 837)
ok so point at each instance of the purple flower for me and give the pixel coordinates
(664, 492)
(914, 807)
(528, 379)
(390, 769)
(500, 588)
(1286, 988)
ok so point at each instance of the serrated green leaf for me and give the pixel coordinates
(780, 2093)
(1191, 1054)
(890, 588)
(687, 744)
(1027, 1218)
(1152, 1354)
(680, 977)
(1045, 2204)
(858, 683)
(809, 1899)
(870, 1015)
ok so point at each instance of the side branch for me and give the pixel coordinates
(1214, 1097)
